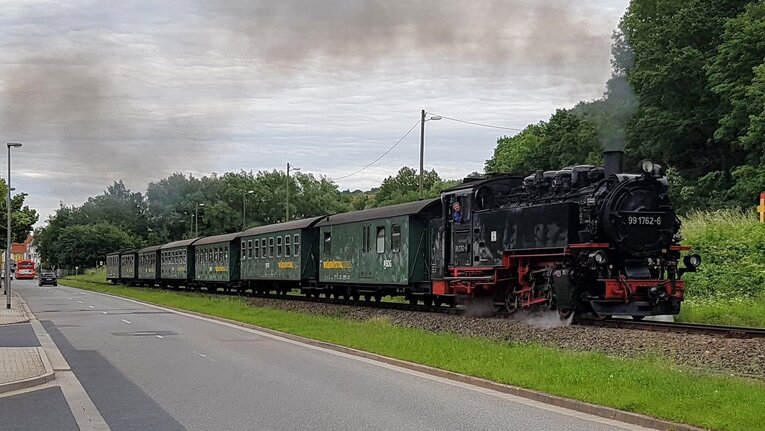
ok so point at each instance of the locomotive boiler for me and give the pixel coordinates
(581, 239)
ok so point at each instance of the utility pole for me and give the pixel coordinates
(287, 206)
(422, 149)
(8, 227)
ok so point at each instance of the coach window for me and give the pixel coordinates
(249, 249)
(380, 239)
(278, 246)
(287, 247)
(296, 243)
(271, 247)
(256, 249)
(224, 254)
(243, 254)
(327, 242)
(395, 238)
(263, 248)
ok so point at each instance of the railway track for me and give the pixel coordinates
(682, 328)
(645, 325)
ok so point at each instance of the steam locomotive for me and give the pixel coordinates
(583, 239)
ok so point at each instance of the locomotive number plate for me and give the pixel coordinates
(635, 220)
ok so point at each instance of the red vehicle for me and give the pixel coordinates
(25, 269)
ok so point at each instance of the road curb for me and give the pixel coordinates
(567, 403)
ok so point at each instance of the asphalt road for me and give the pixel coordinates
(147, 368)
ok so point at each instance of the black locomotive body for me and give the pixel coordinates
(585, 239)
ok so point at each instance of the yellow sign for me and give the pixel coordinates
(761, 208)
(285, 265)
(337, 264)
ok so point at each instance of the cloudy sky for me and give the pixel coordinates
(102, 90)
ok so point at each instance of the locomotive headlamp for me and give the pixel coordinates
(646, 166)
(599, 257)
(692, 261)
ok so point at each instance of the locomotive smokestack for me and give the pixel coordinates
(612, 162)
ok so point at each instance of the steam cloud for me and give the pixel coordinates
(112, 90)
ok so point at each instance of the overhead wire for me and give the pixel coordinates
(381, 156)
(475, 124)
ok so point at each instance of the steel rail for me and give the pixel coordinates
(675, 327)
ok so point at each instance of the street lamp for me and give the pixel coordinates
(287, 207)
(196, 219)
(8, 228)
(422, 145)
(244, 207)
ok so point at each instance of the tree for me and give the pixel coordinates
(673, 42)
(87, 245)
(404, 187)
(22, 217)
(737, 76)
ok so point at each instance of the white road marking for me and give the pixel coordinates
(127, 321)
(71, 298)
(84, 411)
(104, 312)
(159, 336)
(90, 306)
(79, 302)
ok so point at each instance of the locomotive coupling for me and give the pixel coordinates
(657, 292)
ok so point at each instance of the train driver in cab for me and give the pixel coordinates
(457, 212)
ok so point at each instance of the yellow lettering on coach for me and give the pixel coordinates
(285, 265)
(337, 264)
(220, 269)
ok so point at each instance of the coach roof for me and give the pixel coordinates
(281, 227)
(149, 249)
(217, 238)
(410, 208)
(181, 243)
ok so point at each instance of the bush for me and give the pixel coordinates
(732, 247)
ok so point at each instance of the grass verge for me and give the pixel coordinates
(643, 385)
(720, 311)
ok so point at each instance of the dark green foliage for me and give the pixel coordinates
(404, 187)
(22, 217)
(86, 245)
(687, 91)
(167, 211)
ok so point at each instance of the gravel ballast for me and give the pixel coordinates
(714, 353)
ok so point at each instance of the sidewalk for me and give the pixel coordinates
(21, 367)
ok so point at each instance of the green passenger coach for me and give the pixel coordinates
(279, 257)
(148, 265)
(177, 262)
(128, 266)
(217, 261)
(113, 267)
(378, 251)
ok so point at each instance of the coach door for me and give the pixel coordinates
(462, 232)
(368, 255)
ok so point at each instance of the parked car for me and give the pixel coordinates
(48, 277)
